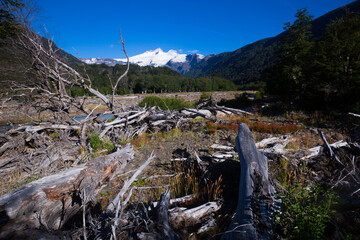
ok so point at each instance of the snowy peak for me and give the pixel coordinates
(155, 58)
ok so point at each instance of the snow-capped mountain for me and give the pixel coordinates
(157, 58)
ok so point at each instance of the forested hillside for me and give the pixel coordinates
(321, 73)
(149, 79)
(246, 65)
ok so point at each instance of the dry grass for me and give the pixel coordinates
(255, 126)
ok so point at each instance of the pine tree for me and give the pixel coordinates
(285, 78)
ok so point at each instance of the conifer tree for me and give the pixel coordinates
(285, 78)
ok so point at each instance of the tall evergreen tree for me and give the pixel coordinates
(338, 62)
(285, 78)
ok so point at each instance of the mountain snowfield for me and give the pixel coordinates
(158, 58)
(155, 58)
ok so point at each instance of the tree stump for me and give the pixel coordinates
(256, 195)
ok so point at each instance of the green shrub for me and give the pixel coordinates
(260, 94)
(97, 143)
(305, 213)
(165, 103)
(205, 95)
(240, 101)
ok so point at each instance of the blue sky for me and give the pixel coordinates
(204, 26)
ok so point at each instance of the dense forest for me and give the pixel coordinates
(323, 73)
(148, 80)
(245, 66)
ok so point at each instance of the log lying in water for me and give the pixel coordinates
(256, 195)
(51, 201)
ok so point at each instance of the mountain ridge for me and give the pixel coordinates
(156, 58)
(246, 65)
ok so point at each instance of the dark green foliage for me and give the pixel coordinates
(165, 103)
(334, 72)
(151, 80)
(323, 74)
(246, 65)
(8, 19)
(240, 101)
(204, 96)
(243, 66)
(260, 94)
(286, 76)
(275, 109)
(305, 213)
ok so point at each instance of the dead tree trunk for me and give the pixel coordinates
(162, 217)
(51, 201)
(256, 195)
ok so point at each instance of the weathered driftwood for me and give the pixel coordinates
(115, 203)
(331, 152)
(181, 201)
(184, 217)
(274, 145)
(256, 195)
(221, 147)
(224, 155)
(316, 151)
(354, 114)
(51, 201)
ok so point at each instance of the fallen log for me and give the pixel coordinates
(184, 217)
(316, 151)
(51, 201)
(221, 147)
(252, 219)
(274, 145)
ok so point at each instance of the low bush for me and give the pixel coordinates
(165, 103)
(240, 101)
(205, 95)
(305, 212)
(97, 143)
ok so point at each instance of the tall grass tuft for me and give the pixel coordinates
(165, 103)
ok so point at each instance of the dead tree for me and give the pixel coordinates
(256, 195)
(51, 201)
(53, 76)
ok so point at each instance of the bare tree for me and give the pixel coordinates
(53, 77)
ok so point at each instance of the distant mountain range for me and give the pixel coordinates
(179, 62)
(244, 66)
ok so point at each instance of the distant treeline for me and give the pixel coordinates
(148, 80)
(319, 74)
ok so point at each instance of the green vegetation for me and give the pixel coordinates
(205, 95)
(165, 103)
(97, 143)
(321, 74)
(240, 101)
(149, 80)
(8, 19)
(246, 66)
(305, 213)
